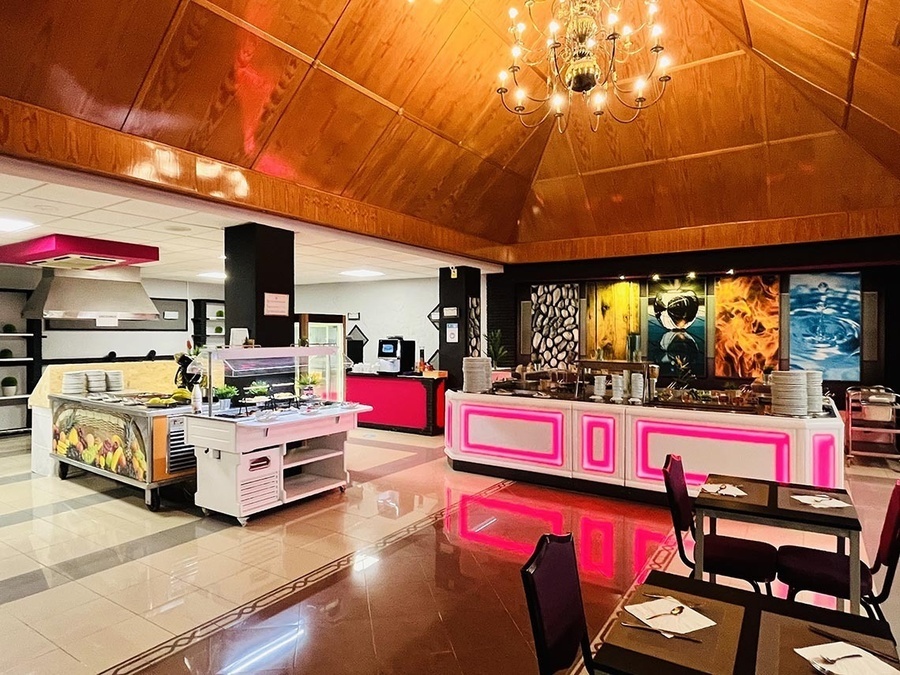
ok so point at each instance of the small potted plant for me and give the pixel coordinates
(9, 386)
(496, 350)
(219, 330)
(225, 394)
(307, 383)
(220, 313)
(6, 353)
(10, 328)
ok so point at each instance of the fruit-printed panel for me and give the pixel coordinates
(105, 440)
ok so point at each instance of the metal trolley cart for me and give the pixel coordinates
(872, 422)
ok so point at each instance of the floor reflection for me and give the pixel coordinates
(446, 599)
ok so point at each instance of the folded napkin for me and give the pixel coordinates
(685, 622)
(820, 502)
(726, 489)
(866, 664)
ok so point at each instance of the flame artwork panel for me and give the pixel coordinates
(676, 325)
(747, 325)
(612, 313)
(826, 314)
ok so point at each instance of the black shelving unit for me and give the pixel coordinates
(205, 323)
(31, 362)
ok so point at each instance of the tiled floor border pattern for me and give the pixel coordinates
(166, 649)
(16, 478)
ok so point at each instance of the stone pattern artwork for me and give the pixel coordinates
(473, 327)
(554, 322)
(747, 325)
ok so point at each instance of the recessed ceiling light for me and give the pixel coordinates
(362, 273)
(13, 225)
(212, 275)
(176, 228)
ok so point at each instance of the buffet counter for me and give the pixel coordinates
(608, 447)
(408, 403)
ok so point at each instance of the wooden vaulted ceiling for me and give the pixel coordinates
(380, 116)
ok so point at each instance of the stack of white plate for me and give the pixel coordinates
(476, 374)
(789, 392)
(637, 386)
(73, 383)
(115, 380)
(618, 387)
(96, 380)
(814, 391)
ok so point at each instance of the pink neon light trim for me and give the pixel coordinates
(823, 460)
(590, 529)
(644, 428)
(555, 419)
(551, 521)
(607, 462)
(448, 428)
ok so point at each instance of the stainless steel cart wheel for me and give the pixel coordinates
(62, 470)
(151, 499)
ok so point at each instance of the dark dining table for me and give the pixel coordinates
(755, 634)
(771, 503)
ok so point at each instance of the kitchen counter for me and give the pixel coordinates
(408, 403)
(130, 409)
(603, 447)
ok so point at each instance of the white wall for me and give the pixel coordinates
(64, 344)
(385, 308)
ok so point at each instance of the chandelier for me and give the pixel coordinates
(585, 55)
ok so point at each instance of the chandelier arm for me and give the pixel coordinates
(621, 120)
(536, 124)
(528, 96)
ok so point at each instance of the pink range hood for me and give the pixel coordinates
(84, 278)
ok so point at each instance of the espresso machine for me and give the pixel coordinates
(396, 355)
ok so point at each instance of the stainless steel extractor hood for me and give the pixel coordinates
(112, 293)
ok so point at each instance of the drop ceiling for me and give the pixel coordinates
(191, 241)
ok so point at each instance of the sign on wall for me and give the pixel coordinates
(826, 311)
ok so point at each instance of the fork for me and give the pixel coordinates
(831, 661)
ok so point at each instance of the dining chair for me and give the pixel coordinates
(828, 573)
(751, 561)
(553, 594)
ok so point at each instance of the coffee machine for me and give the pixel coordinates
(396, 355)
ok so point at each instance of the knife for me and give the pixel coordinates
(839, 638)
(661, 632)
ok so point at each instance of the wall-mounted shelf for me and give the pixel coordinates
(16, 414)
(16, 335)
(205, 320)
(18, 398)
(16, 360)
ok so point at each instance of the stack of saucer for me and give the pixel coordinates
(618, 387)
(637, 387)
(73, 383)
(476, 374)
(789, 393)
(115, 380)
(96, 380)
(814, 391)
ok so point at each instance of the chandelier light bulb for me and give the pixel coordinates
(549, 42)
(554, 27)
(626, 30)
(520, 95)
(639, 85)
(591, 43)
(652, 8)
(656, 31)
(520, 27)
(558, 101)
(599, 99)
(516, 51)
(612, 20)
(664, 63)
(503, 75)
(513, 12)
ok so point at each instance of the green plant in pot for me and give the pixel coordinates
(220, 313)
(258, 388)
(9, 386)
(219, 329)
(496, 350)
(10, 328)
(6, 353)
(226, 394)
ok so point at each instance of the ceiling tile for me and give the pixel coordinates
(218, 89)
(73, 196)
(41, 206)
(136, 207)
(209, 220)
(14, 185)
(36, 218)
(114, 218)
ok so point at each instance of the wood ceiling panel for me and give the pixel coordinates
(833, 107)
(879, 139)
(728, 13)
(387, 47)
(832, 20)
(877, 91)
(714, 105)
(529, 157)
(303, 24)
(216, 90)
(492, 199)
(880, 33)
(720, 188)
(691, 34)
(324, 134)
(637, 198)
(558, 159)
(85, 58)
(804, 54)
(827, 174)
(615, 144)
(555, 207)
(789, 113)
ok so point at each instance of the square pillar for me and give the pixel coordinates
(460, 304)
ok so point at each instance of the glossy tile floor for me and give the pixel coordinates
(415, 569)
